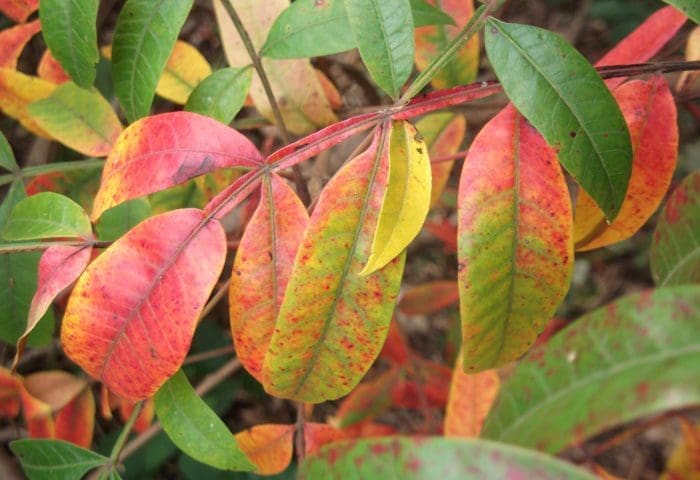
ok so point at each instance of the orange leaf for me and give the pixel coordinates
(433, 39)
(335, 99)
(59, 267)
(130, 319)
(17, 91)
(684, 462)
(317, 435)
(49, 69)
(9, 394)
(268, 446)
(650, 112)
(75, 422)
(429, 297)
(262, 268)
(18, 10)
(168, 150)
(470, 400)
(13, 41)
(38, 416)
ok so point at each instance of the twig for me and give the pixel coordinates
(216, 298)
(449, 157)
(216, 352)
(34, 246)
(300, 441)
(33, 171)
(209, 382)
(118, 447)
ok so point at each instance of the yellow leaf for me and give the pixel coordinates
(407, 198)
(684, 462)
(689, 81)
(17, 91)
(186, 67)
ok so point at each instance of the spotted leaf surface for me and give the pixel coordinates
(168, 150)
(675, 248)
(650, 113)
(332, 322)
(632, 358)
(263, 264)
(130, 319)
(515, 245)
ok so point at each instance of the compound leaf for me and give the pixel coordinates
(47, 215)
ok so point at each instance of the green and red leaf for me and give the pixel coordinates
(429, 297)
(13, 41)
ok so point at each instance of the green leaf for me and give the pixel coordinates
(563, 96)
(222, 94)
(55, 459)
(308, 28)
(80, 119)
(116, 221)
(47, 215)
(434, 458)
(7, 158)
(14, 195)
(383, 31)
(143, 39)
(195, 428)
(691, 8)
(70, 31)
(18, 282)
(675, 248)
(635, 357)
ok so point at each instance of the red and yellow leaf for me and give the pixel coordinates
(317, 435)
(9, 394)
(650, 113)
(268, 447)
(433, 39)
(262, 268)
(429, 297)
(130, 319)
(168, 150)
(17, 91)
(55, 388)
(443, 133)
(50, 70)
(689, 81)
(470, 400)
(684, 462)
(38, 416)
(59, 267)
(333, 321)
(302, 100)
(515, 241)
(76, 421)
(13, 40)
(18, 10)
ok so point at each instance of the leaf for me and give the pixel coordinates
(186, 67)
(55, 459)
(469, 401)
(515, 247)
(332, 322)
(309, 28)
(17, 91)
(261, 271)
(13, 40)
(675, 247)
(14, 195)
(561, 94)
(302, 102)
(117, 221)
(9, 394)
(644, 42)
(18, 10)
(427, 385)
(432, 40)
(407, 198)
(650, 113)
(370, 398)
(633, 358)
(443, 133)
(689, 79)
(54, 388)
(428, 298)
(80, 119)
(195, 428)
(688, 7)
(144, 37)
(70, 32)
(50, 70)
(169, 149)
(18, 282)
(80, 185)
(130, 319)
(684, 462)
(75, 422)
(383, 31)
(222, 94)
(47, 215)
(59, 267)
(268, 446)
(318, 434)
(433, 457)
(7, 157)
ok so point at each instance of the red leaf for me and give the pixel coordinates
(13, 40)
(262, 268)
(446, 232)
(18, 10)
(49, 69)
(130, 319)
(75, 422)
(9, 394)
(370, 398)
(59, 267)
(427, 385)
(317, 435)
(429, 297)
(161, 151)
(395, 347)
